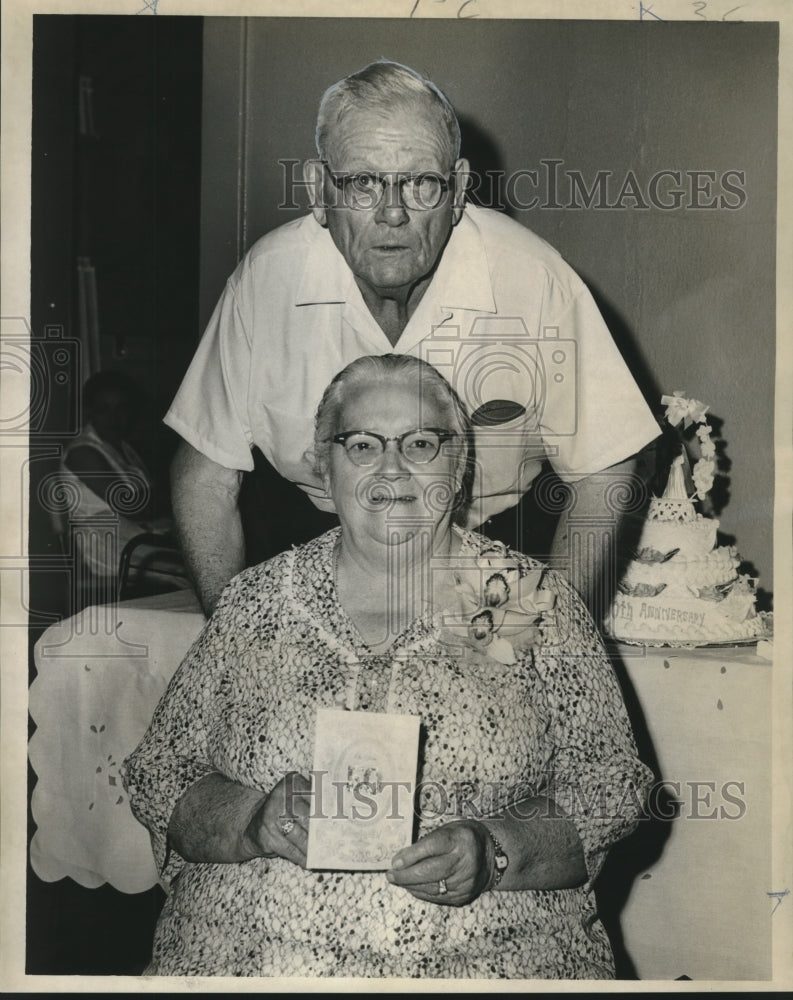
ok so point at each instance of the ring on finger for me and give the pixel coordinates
(442, 887)
(287, 826)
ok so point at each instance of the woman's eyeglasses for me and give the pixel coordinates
(419, 447)
(365, 190)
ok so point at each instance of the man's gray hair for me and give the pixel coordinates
(384, 86)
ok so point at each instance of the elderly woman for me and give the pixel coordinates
(523, 730)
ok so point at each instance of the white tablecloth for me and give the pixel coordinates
(701, 909)
(99, 677)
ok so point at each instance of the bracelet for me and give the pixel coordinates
(500, 860)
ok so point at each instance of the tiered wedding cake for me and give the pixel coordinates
(681, 588)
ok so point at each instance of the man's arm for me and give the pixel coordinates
(594, 533)
(204, 496)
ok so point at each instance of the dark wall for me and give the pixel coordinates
(115, 179)
(137, 190)
(116, 182)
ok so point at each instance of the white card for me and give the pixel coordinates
(363, 785)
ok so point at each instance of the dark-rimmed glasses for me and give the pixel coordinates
(365, 448)
(365, 189)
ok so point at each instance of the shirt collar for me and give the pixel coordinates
(326, 277)
(462, 280)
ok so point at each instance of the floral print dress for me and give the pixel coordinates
(243, 703)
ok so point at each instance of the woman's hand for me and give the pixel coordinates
(279, 826)
(459, 853)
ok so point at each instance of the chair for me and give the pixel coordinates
(149, 561)
(159, 567)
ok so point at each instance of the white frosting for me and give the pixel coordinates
(672, 591)
(693, 538)
(683, 576)
(683, 619)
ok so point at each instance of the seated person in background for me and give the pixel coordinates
(112, 483)
(523, 728)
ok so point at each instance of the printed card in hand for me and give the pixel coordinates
(363, 785)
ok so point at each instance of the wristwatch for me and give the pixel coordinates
(500, 860)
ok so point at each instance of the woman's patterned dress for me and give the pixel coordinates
(243, 703)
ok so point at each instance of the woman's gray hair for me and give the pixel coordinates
(388, 369)
(384, 86)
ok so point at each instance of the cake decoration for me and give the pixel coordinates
(687, 411)
(679, 587)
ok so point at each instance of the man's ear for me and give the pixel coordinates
(462, 179)
(313, 177)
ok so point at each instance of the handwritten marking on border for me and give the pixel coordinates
(462, 8)
(778, 896)
(459, 13)
(647, 10)
(699, 7)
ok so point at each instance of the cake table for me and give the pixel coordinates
(700, 906)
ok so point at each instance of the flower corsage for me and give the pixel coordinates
(499, 603)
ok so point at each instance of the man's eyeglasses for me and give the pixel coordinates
(419, 447)
(365, 189)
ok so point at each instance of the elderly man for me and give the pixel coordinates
(391, 258)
